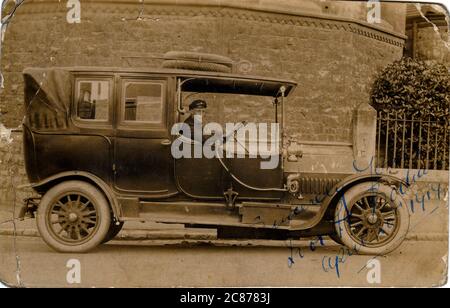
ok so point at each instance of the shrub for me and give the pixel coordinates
(414, 90)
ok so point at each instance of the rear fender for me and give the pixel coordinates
(82, 176)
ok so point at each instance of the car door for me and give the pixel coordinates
(143, 163)
(201, 178)
(256, 164)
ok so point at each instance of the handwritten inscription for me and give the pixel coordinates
(417, 201)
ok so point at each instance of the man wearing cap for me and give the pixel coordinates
(197, 109)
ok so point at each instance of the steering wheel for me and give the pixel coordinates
(233, 133)
(236, 129)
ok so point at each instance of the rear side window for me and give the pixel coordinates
(93, 100)
(143, 103)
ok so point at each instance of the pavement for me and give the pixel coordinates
(131, 231)
(160, 255)
(134, 230)
(28, 262)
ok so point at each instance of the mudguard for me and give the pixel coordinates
(331, 198)
(86, 176)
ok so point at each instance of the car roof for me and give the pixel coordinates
(217, 82)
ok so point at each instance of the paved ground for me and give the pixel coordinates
(183, 264)
(156, 255)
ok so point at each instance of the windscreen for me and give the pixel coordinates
(257, 120)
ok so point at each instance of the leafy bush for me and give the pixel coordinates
(420, 91)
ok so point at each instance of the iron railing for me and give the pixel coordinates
(412, 142)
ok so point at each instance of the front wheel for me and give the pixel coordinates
(73, 217)
(372, 218)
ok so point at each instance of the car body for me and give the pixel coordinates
(110, 132)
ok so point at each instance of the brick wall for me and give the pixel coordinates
(334, 60)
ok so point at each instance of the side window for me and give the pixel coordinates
(93, 100)
(143, 102)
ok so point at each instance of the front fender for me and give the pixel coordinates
(331, 198)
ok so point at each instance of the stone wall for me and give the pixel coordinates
(326, 47)
(427, 28)
(434, 45)
(12, 176)
(333, 61)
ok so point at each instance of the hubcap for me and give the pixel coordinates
(373, 220)
(73, 218)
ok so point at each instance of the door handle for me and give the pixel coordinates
(166, 142)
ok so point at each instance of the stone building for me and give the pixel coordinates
(428, 33)
(328, 47)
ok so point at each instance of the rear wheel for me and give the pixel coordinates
(372, 218)
(73, 217)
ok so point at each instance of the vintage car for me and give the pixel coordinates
(98, 153)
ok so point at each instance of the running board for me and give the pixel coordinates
(189, 213)
(247, 214)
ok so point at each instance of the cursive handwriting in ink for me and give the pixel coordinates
(333, 263)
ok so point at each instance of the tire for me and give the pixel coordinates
(199, 57)
(372, 219)
(73, 217)
(114, 229)
(197, 61)
(196, 66)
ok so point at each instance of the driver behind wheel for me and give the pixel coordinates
(197, 110)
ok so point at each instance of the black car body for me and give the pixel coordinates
(110, 129)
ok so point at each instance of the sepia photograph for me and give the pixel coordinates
(220, 144)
